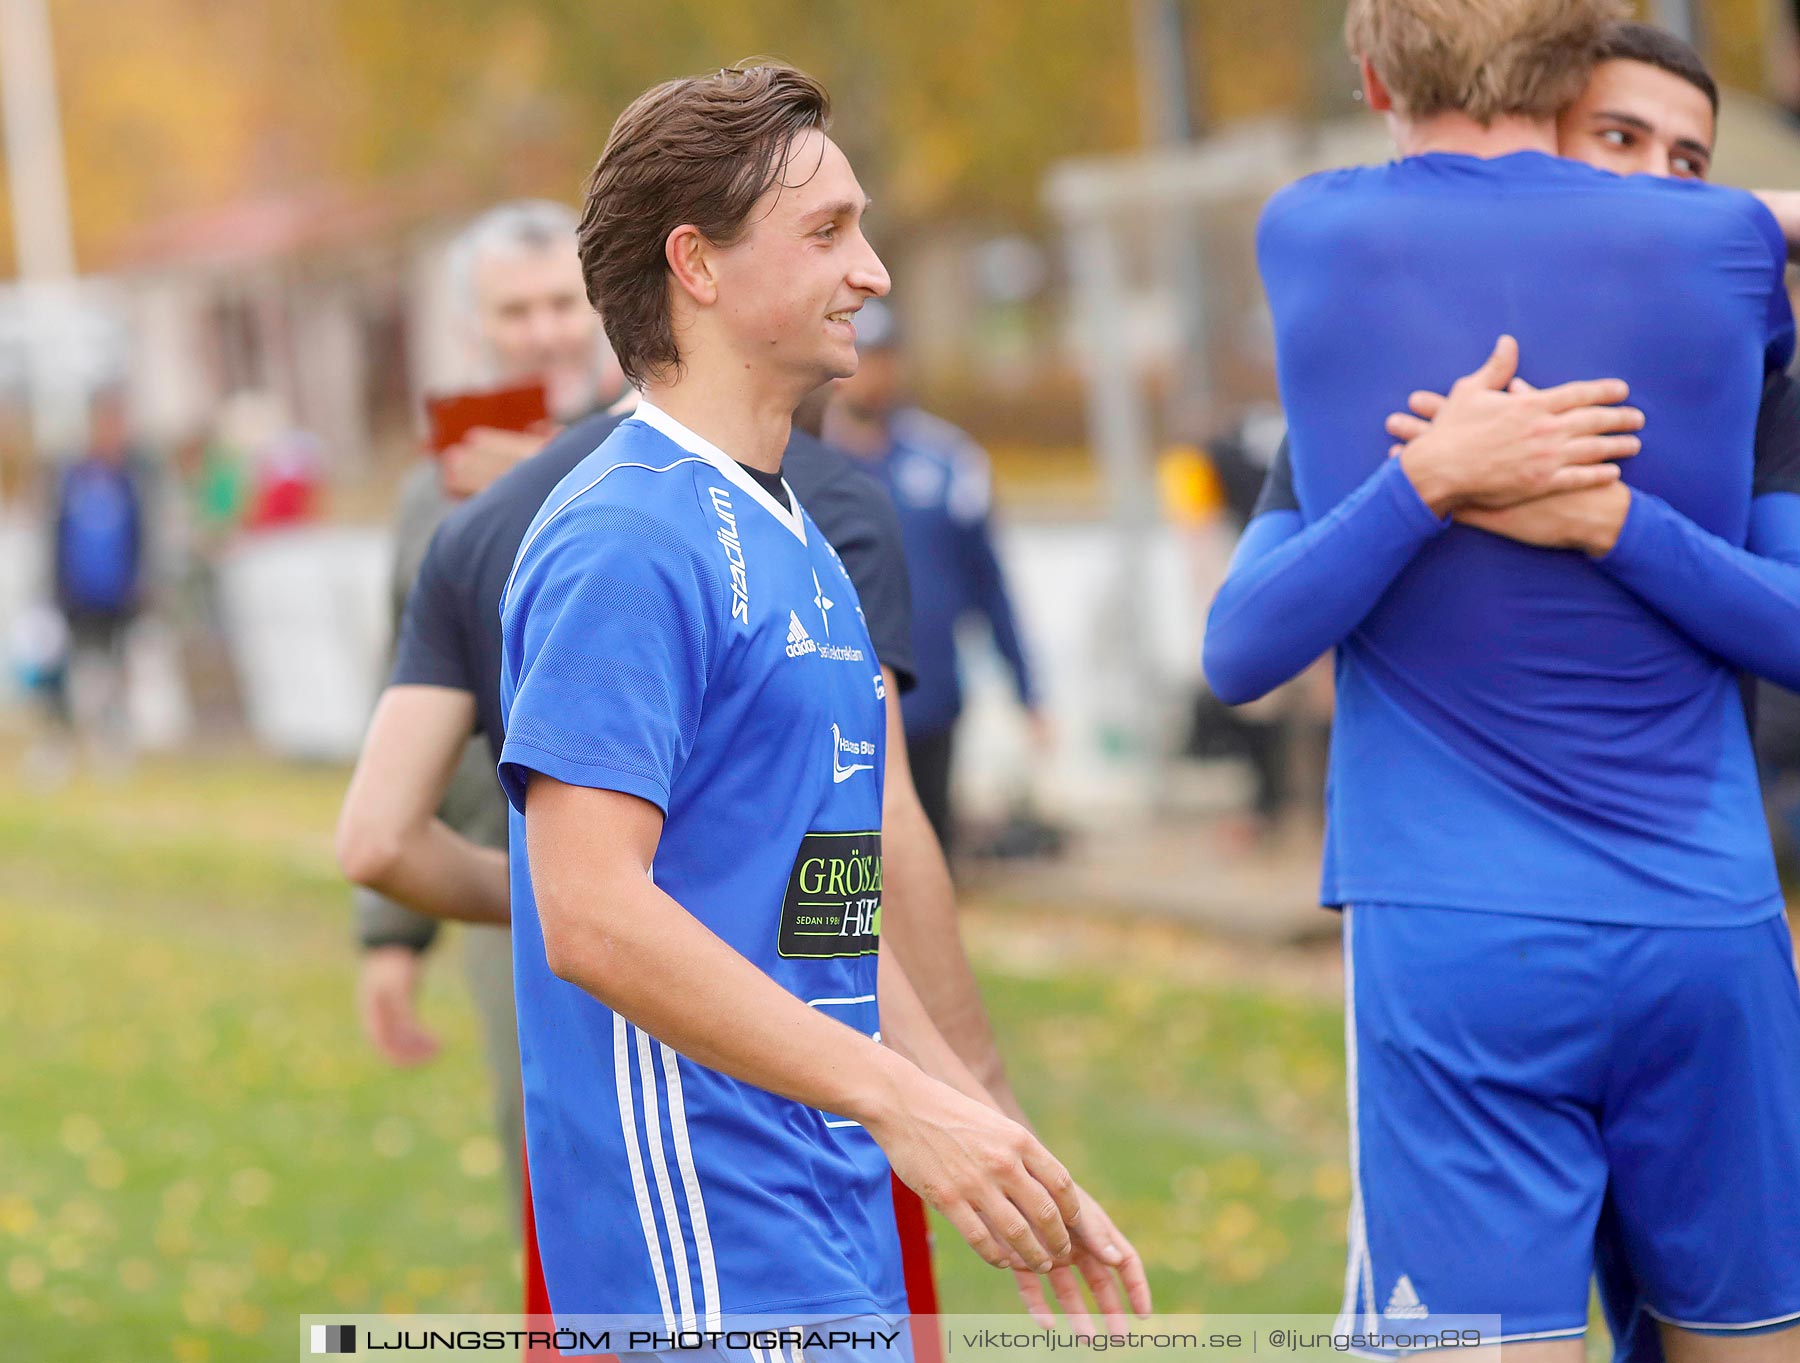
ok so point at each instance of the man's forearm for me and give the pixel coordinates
(437, 871)
(920, 929)
(608, 929)
(1295, 592)
(908, 1028)
(919, 921)
(389, 837)
(997, 605)
(1740, 604)
(641, 955)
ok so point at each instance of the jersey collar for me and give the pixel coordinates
(660, 421)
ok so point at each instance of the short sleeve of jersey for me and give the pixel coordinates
(855, 515)
(1278, 485)
(431, 649)
(610, 628)
(1778, 437)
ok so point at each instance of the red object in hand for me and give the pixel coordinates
(454, 415)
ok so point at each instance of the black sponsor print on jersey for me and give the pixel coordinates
(833, 902)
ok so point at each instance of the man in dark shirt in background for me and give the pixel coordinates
(522, 315)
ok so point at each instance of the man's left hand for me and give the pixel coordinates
(1107, 1262)
(1589, 520)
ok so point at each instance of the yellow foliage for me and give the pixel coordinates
(949, 109)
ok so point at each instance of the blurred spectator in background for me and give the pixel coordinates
(218, 476)
(526, 317)
(941, 485)
(98, 557)
(258, 471)
(37, 648)
(198, 521)
(287, 473)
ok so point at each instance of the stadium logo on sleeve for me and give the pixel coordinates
(734, 554)
(832, 906)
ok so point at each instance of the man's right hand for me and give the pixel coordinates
(1107, 1261)
(387, 1000)
(1008, 1196)
(1492, 444)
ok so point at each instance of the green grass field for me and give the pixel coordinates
(196, 1145)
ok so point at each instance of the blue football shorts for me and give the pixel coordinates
(1512, 1078)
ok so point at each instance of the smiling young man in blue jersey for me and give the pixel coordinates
(1570, 983)
(694, 753)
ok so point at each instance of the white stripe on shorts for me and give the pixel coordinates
(1358, 1270)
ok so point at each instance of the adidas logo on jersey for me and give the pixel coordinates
(799, 641)
(1404, 1304)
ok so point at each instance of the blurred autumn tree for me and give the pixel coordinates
(951, 109)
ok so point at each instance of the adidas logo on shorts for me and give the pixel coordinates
(799, 641)
(1404, 1304)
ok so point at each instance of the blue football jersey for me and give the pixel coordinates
(1516, 730)
(673, 632)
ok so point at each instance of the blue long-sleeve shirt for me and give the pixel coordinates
(941, 487)
(1295, 591)
(1518, 729)
(99, 537)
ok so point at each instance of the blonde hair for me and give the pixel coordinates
(1484, 58)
